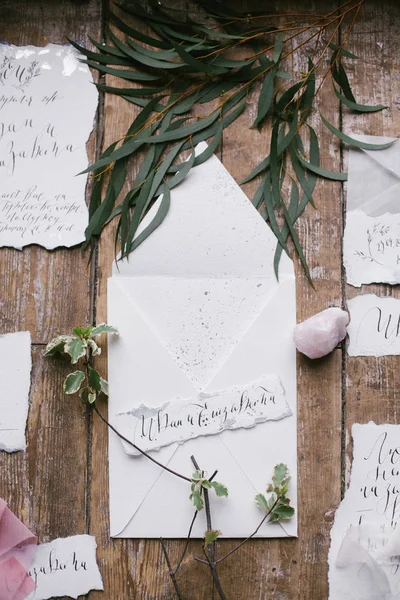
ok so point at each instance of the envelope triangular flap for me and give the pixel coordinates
(211, 230)
(166, 500)
(200, 321)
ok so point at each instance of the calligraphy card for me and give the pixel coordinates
(364, 557)
(47, 108)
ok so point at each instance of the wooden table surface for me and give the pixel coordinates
(59, 487)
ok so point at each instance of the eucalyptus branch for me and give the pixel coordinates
(193, 61)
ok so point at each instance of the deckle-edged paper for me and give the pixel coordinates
(65, 567)
(204, 414)
(371, 241)
(15, 381)
(364, 557)
(374, 328)
(47, 109)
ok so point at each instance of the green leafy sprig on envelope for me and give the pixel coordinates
(81, 347)
(184, 64)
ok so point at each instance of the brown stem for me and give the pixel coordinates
(187, 542)
(250, 536)
(210, 553)
(170, 570)
(122, 437)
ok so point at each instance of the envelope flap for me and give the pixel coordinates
(374, 177)
(200, 321)
(138, 353)
(211, 230)
(389, 158)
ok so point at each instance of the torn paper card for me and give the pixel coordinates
(66, 567)
(371, 242)
(15, 377)
(17, 550)
(364, 557)
(374, 328)
(47, 109)
(204, 414)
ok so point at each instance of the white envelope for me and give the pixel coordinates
(198, 308)
(372, 232)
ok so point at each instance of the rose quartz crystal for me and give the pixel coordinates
(321, 333)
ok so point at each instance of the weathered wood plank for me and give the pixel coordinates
(372, 384)
(47, 293)
(288, 569)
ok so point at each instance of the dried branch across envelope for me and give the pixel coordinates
(185, 63)
(81, 345)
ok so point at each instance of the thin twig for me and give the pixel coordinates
(210, 553)
(215, 576)
(122, 437)
(250, 536)
(187, 542)
(170, 571)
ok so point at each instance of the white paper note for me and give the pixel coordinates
(371, 248)
(374, 327)
(364, 557)
(204, 414)
(47, 108)
(15, 381)
(66, 567)
(371, 241)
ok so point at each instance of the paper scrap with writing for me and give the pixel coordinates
(374, 327)
(65, 567)
(47, 108)
(364, 557)
(205, 414)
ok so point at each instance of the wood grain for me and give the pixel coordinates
(48, 293)
(372, 384)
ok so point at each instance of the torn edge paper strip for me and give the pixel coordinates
(205, 414)
(364, 557)
(374, 327)
(66, 567)
(15, 378)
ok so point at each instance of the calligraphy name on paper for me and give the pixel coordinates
(65, 567)
(374, 328)
(383, 486)
(206, 414)
(52, 565)
(47, 106)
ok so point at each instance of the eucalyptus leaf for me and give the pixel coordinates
(322, 172)
(352, 142)
(362, 108)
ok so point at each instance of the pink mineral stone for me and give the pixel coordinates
(321, 333)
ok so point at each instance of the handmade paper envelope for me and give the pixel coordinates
(372, 233)
(199, 311)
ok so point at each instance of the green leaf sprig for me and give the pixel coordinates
(277, 504)
(199, 484)
(82, 344)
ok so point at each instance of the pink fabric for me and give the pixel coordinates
(17, 550)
